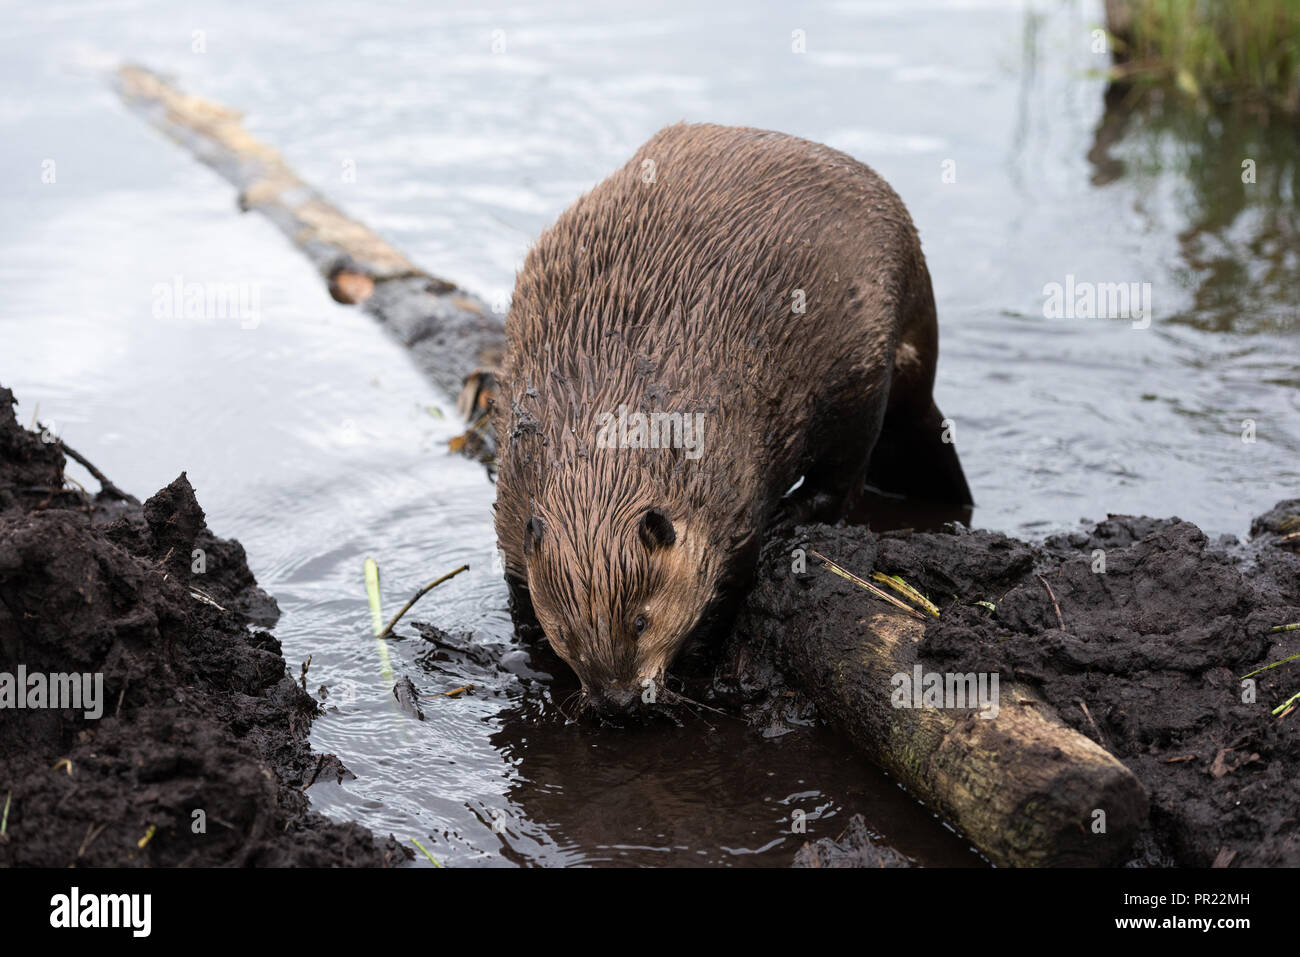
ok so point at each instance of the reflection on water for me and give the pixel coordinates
(1234, 215)
(313, 440)
(711, 792)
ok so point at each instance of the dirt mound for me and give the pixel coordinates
(199, 753)
(1157, 627)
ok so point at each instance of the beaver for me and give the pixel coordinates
(733, 310)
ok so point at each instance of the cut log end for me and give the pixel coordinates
(351, 288)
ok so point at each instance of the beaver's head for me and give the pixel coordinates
(617, 591)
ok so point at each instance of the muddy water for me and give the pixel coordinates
(309, 436)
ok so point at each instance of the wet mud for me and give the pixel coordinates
(198, 755)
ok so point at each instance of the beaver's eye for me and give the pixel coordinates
(639, 625)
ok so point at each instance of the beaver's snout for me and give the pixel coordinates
(613, 701)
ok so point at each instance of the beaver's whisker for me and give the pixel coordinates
(560, 706)
(685, 702)
(677, 696)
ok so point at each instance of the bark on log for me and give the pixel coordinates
(1022, 787)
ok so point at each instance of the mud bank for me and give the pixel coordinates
(199, 756)
(1156, 627)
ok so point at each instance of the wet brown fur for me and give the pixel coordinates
(670, 288)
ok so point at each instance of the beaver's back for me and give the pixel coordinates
(751, 277)
(718, 261)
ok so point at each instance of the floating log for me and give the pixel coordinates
(451, 332)
(1023, 787)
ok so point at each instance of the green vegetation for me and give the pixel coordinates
(1211, 49)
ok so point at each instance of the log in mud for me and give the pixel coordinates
(1024, 787)
(1039, 784)
(188, 745)
(1150, 644)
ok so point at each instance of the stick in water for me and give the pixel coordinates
(372, 593)
(376, 619)
(108, 488)
(388, 628)
(431, 858)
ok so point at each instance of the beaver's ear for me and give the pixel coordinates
(656, 529)
(534, 528)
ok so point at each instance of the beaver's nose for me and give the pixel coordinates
(614, 700)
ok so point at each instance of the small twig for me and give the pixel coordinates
(678, 696)
(201, 595)
(92, 833)
(107, 487)
(319, 765)
(85, 495)
(1052, 596)
(897, 583)
(372, 595)
(1273, 665)
(1183, 757)
(1295, 626)
(878, 592)
(388, 628)
(1286, 705)
(431, 858)
(1088, 714)
(376, 619)
(1225, 857)
(4, 821)
(478, 428)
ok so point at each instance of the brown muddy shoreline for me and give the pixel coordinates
(200, 756)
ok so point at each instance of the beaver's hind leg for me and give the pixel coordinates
(912, 458)
(836, 475)
(915, 456)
